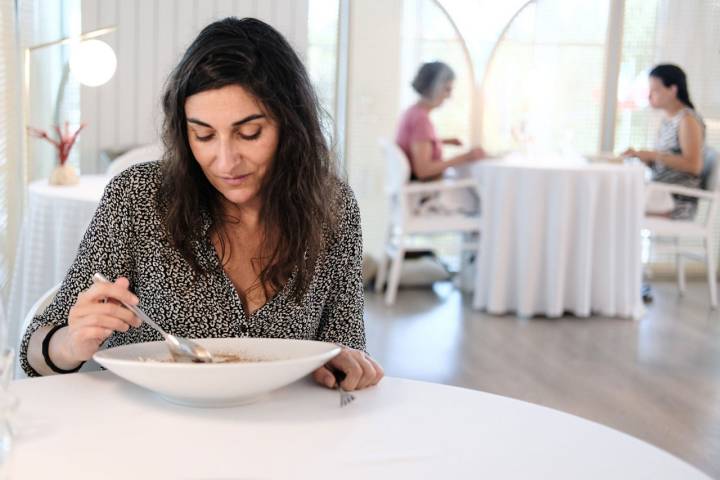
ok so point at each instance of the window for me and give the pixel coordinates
(9, 146)
(54, 93)
(544, 85)
(655, 32)
(322, 53)
(428, 35)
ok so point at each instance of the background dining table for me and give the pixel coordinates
(53, 224)
(560, 235)
(95, 425)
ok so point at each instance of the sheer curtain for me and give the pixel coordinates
(9, 141)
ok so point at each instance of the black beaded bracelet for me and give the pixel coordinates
(46, 352)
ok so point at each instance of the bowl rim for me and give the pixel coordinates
(99, 356)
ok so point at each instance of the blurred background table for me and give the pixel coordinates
(560, 236)
(54, 223)
(95, 425)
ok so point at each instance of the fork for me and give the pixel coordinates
(345, 396)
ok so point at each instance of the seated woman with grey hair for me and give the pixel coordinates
(416, 134)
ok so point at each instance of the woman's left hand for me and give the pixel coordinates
(360, 370)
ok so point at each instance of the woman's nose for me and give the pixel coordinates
(226, 152)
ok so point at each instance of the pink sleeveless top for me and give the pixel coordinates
(415, 126)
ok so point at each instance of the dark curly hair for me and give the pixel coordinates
(298, 190)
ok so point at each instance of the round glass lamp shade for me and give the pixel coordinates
(92, 62)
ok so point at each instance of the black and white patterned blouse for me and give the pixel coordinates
(126, 238)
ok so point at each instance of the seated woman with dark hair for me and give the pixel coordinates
(680, 145)
(242, 229)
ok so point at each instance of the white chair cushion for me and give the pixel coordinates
(422, 272)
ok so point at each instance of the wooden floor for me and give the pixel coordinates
(657, 379)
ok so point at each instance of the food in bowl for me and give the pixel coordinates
(217, 358)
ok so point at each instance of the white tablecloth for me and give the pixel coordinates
(95, 425)
(53, 225)
(560, 237)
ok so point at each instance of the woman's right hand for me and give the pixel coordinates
(96, 314)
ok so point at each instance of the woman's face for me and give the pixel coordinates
(660, 96)
(233, 140)
(443, 94)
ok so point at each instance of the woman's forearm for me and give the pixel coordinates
(679, 162)
(435, 168)
(57, 353)
(458, 160)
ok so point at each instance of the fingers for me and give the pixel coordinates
(92, 319)
(107, 322)
(346, 363)
(323, 376)
(98, 334)
(119, 290)
(379, 372)
(360, 370)
(114, 310)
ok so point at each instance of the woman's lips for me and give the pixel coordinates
(236, 180)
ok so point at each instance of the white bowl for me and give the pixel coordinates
(279, 362)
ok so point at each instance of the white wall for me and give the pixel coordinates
(373, 107)
(151, 36)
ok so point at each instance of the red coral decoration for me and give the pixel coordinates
(65, 142)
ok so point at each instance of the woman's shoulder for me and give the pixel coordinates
(691, 116)
(138, 182)
(417, 113)
(345, 201)
(345, 212)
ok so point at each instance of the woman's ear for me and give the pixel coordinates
(674, 90)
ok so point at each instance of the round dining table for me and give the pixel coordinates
(95, 425)
(559, 235)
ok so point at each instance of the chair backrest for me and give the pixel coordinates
(38, 307)
(709, 174)
(145, 153)
(397, 166)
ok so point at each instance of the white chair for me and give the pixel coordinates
(145, 153)
(38, 307)
(406, 222)
(700, 229)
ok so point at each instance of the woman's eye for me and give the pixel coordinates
(205, 138)
(253, 136)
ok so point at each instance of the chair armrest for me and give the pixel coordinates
(680, 190)
(440, 185)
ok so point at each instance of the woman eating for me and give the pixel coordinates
(242, 229)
